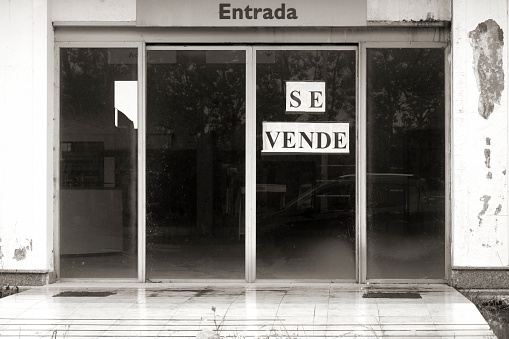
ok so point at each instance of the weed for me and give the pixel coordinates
(5, 288)
(64, 335)
(494, 307)
(217, 326)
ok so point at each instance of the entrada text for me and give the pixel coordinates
(227, 12)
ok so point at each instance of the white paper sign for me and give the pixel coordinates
(305, 96)
(126, 101)
(306, 137)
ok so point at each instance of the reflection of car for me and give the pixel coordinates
(318, 211)
(403, 203)
(332, 204)
(324, 213)
(397, 194)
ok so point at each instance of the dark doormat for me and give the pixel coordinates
(393, 295)
(83, 294)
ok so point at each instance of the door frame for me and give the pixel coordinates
(250, 203)
(140, 163)
(363, 158)
(251, 180)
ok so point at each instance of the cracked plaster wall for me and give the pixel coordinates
(399, 10)
(479, 134)
(26, 64)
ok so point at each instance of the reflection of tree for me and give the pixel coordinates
(336, 68)
(87, 83)
(195, 134)
(406, 111)
(405, 88)
(87, 77)
(193, 97)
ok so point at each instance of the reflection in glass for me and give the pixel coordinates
(195, 164)
(98, 171)
(406, 164)
(305, 203)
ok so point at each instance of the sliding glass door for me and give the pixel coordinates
(195, 151)
(406, 163)
(306, 118)
(253, 162)
(98, 162)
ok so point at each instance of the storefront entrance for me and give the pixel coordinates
(253, 162)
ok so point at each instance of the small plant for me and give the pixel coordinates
(65, 334)
(8, 290)
(494, 307)
(208, 334)
(5, 288)
(218, 326)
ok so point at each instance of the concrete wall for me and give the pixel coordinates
(94, 10)
(407, 11)
(125, 10)
(26, 136)
(479, 134)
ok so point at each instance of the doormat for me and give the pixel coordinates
(83, 294)
(393, 295)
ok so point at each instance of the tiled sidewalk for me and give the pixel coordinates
(242, 310)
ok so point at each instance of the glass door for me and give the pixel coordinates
(98, 179)
(256, 163)
(195, 162)
(306, 163)
(406, 163)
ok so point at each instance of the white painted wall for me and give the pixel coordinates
(26, 100)
(94, 10)
(479, 232)
(405, 10)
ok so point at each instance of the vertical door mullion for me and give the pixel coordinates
(250, 196)
(142, 88)
(361, 167)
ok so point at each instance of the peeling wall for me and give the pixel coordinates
(26, 97)
(479, 134)
(487, 42)
(401, 10)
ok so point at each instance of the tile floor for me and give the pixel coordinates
(242, 310)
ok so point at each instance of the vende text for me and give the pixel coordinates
(297, 137)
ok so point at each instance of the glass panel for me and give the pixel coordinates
(195, 163)
(98, 162)
(405, 164)
(305, 202)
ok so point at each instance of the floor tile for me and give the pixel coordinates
(181, 310)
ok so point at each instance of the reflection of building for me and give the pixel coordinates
(131, 133)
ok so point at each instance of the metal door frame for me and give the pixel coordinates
(141, 155)
(447, 155)
(64, 40)
(251, 181)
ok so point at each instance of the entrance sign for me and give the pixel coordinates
(307, 96)
(251, 13)
(305, 137)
